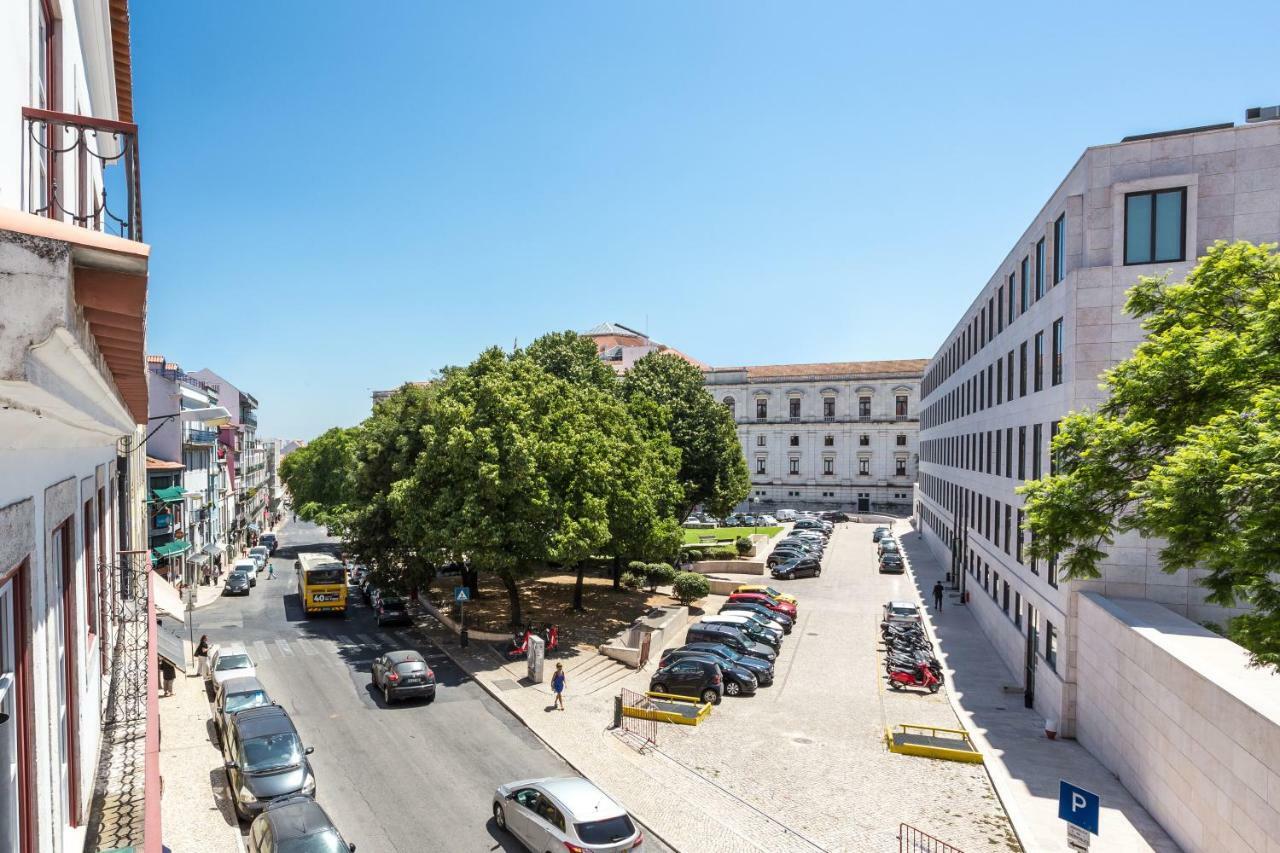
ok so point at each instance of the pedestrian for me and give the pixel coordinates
(202, 654)
(271, 571)
(937, 595)
(557, 686)
(167, 675)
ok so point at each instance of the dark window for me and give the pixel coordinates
(1008, 452)
(1052, 572)
(1021, 537)
(1009, 377)
(1022, 369)
(1004, 598)
(902, 468)
(1053, 457)
(760, 441)
(1040, 268)
(730, 405)
(795, 441)
(864, 467)
(1011, 300)
(999, 380)
(795, 466)
(828, 441)
(1022, 453)
(1051, 645)
(1039, 365)
(864, 408)
(1008, 526)
(1056, 377)
(1060, 249)
(991, 317)
(982, 328)
(1000, 309)
(762, 409)
(900, 406)
(1153, 226)
(794, 403)
(829, 408)
(902, 440)
(996, 525)
(864, 440)
(828, 465)
(1036, 435)
(760, 463)
(995, 586)
(1017, 611)
(1024, 286)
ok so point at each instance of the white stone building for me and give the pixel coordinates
(1030, 348)
(837, 435)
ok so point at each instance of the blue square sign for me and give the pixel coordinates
(1078, 806)
(461, 594)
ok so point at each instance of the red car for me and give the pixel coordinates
(767, 600)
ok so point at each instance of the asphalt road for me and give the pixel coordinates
(409, 777)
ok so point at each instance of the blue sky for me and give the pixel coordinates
(340, 200)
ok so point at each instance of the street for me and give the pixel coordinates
(409, 777)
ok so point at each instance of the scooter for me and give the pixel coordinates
(908, 663)
(922, 677)
(520, 643)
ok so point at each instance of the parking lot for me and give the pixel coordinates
(809, 751)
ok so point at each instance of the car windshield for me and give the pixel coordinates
(327, 841)
(903, 611)
(410, 667)
(328, 574)
(227, 662)
(252, 699)
(606, 831)
(392, 604)
(270, 752)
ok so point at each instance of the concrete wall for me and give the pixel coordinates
(1177, 713)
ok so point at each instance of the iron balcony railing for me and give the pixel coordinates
(84, 170)
(195, 435)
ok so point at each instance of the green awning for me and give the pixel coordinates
(173, 494)
(171, 549)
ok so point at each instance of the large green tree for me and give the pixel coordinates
(320, 478)
(713, 471)
(1187, 445)
(573, 358)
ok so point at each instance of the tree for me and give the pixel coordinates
(688, 587)
(713, 471)
(1187, 446)
(319, 477)
(573, 358)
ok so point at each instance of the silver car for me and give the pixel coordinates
(564, 814)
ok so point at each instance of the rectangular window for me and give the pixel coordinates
(864, 467)
(1008, 526)
(1000, 309)
(1040, 269)
(1025, 286)
(761, 461)
(828, 441)
(991, 317)
(795, 466)
(1039, 365)
(902, 468)
(1022, 369)
(1053, 433)
(864, 408)
(982, 328)
(995, 586)
(1056, 371)
(864, 440)
(828, 465)
(1153, 226)
(900, 406)
(795, 441)
(1008, 452)
(760, 441)
(999, 381)
(1011, 300)
(1009, 377)
(794, 404)
(902, 440)
(1036, 435)
(1051, 645)
(996, 522)
(1052, 572)
(1060, 249)
(829, 408)
(1004, 598)
(1021, 537)
(762, 409)
(1022, 453)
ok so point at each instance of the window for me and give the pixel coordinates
(730, 405)
(1021, 537)
(1000, 309)
(999, 381)
(1051, 645)
(1153, 226)
(864, 408)
(1039, 355)
(1040, 269)
(1056, 370)
(794, 404)
(1053, 433)
(1022, 453)
(1060, 249)
(828, 465)
(902, 440)
(795, 441)
(762, 409)
(900, 407)
(828, 441)
(995, 525)
(995, 586)
(864, 467)
(1017, 611)
(760, 441)
(991, 317)
(1008, 452)
(1010, 317)
(864, 440)
(1009, 388)
(1008, 526)
(795, 466)
(1004, 598)
(829, 408)
(902, 468)
(982, 329)
(1053, 571)
(1022, 369)
(1035, 451)
(761, 461)
(1025, 286)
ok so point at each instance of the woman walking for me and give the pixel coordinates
(202, 655)
(557, 686)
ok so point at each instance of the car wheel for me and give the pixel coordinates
(933, 688)
(659, 687)
(710, 696)
(499, 818)
(386, 695)
(895, 685)
(817, 573)
(732, 688)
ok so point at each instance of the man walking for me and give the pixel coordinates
(937, 596)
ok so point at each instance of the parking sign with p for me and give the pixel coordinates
(1078, 807)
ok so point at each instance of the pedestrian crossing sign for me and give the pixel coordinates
(461, 594)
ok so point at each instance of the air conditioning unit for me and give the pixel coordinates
(1256, 114)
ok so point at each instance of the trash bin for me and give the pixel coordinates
(462, 638)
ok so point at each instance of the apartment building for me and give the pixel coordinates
(836, 435)
(245, 491)
(74, 598)
(1030, 349)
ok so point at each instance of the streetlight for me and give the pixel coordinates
(751, 505)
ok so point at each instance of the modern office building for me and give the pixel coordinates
(1030, 348)
(837, 435)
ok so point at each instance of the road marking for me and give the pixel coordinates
(365, 639)
(260, 647)
(342, 640)
(400, 638)
(284, 647)
(308, 648)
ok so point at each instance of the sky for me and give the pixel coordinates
(341, 197)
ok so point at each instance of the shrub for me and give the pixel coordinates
(690, 586)
(722, 552)
(691, 555)
(743, 544)
(631, 581)
(637, 568)
(658, 574)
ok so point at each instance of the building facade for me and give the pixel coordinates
(838, 435)
(244, 481)
(1031, 348)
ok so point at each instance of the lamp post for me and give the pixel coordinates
(751, 505)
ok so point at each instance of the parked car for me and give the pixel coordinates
(264, 759)
(761, 620)
(700, 679)
(786, 555)
(879, 533)
(768, 636)
(368, 590)
(270, 542)
(237, 583)
(786, 515)
(767, 601)
(260, 553)
(249, 566)
(295, 824)
(230, 661)
(836, 516)
(704, 632)
(564, 814)
(391, 609)
(761, 669)
(800, 567)
(747, 607)
(891, 563)
(766, 520)
(738, 680)
(900, 611)
(401, 675)
(887, 545)
(696, 523)
(233, 695)
(767, 590)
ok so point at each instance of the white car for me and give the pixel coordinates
(786, 515)
(743, 621)
(249, 566)
(565, 814)
(230, 661)
(262, 554)
(900, 611)
(766, 521)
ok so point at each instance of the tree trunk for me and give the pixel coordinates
(513, 595)
(471, 580)
(617, 572)
(577, 588)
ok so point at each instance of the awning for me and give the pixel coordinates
(252, 526)
(171, 648)
(214, 549)
(167, 598)
(171, 549)
(199, 559)
(173, 494)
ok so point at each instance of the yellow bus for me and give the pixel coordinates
(322, 583)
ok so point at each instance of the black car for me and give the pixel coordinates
(700, 678)
(891, 563)
(887, 545)
(738, 680)
(760, 610)
(706, 632)
(388, 609)
(836, 516)
(237, 583)
(761, 669)
(233, 696)
(264, 759)
(880, 533)
(270, 541)
(798, 568)
(403, 674)
(295, 823)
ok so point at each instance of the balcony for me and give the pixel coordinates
(842, 419)
(202, 437)
(83, 170)
(248, 418)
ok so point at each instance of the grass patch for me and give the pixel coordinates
(727, 534)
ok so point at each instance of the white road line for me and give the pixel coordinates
(342, 640)
(365, 639)
(308, 647)
(401, 639)
(284, 647)
(263, 656)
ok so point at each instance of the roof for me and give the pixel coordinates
(404, 656)
(613, 329)
(583, 799)
(263, 720)
(903, 367)
(242, 684)
(154, 464)
(120, 50)
(297, 817)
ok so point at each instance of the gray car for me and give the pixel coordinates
(564, 814)
(233, 695)
(264, 759)
(295, 824)
(402, 675)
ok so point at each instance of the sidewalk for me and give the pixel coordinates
(1024, 765)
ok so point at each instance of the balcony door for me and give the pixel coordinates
(17, 763)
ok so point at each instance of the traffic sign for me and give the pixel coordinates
(461, 594)
(1077, 838)
(1078, 806)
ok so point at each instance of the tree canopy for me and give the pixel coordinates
(320, 477)
(1187, 446)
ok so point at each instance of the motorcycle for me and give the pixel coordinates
(921, 676)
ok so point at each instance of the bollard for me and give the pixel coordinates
(617, 712)
(462, 638)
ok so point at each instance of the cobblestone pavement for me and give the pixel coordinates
(802, 766)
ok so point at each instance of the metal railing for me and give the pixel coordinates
(912, 840)
(195, 435)
(66, 155)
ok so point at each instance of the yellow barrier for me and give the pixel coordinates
(947, 744)
(669, 708)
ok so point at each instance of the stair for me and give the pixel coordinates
(592, 673)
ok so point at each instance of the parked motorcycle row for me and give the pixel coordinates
(908, 659)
